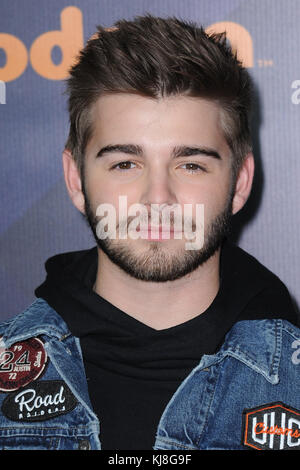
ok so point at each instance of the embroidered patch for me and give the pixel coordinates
(22, 363)
(273, 426)
(40, 401)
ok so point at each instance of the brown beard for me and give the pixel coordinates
(155, 265)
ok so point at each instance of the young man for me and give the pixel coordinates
(148, 340)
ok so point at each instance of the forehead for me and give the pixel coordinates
(173, 120)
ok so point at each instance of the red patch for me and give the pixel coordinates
(22, 363)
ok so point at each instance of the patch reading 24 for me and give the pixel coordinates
(22, 363)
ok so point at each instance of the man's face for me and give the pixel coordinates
(167, 152)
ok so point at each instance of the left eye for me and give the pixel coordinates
(123, 165)
(193, 167)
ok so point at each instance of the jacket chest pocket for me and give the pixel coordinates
(17, 442)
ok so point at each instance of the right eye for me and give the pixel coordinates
(123, 166)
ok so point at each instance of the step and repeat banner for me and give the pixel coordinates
(38, 42)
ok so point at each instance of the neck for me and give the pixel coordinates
(159, 305)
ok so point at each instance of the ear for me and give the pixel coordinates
(243, 183)
(73, 180)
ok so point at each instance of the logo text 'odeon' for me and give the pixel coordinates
(69, 38)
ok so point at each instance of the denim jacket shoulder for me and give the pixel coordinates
(52, 410)
(247, 395)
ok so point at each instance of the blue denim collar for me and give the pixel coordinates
(256, 343)
(38, 319)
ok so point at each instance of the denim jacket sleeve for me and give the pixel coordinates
(44, 398)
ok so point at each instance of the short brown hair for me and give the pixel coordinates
(158, 57)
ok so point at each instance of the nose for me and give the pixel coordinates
(158, 188)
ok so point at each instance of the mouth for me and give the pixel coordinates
(158, 233)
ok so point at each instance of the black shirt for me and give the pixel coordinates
(132, 369)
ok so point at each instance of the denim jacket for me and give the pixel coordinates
(245, 396)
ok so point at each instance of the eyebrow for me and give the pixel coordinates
(179, 151)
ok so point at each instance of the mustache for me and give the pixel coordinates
(173, 222)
